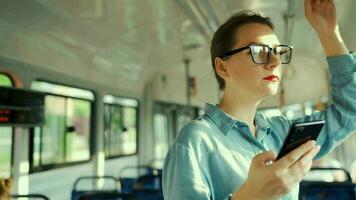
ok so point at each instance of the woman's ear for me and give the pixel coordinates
(220, 68)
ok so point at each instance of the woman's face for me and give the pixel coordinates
(246, 77)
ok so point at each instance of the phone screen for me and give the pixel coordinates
(299, 134)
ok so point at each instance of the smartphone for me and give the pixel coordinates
(299, 134)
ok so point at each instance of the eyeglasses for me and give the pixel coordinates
(261, 53)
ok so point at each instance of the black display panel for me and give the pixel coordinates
(20, 107)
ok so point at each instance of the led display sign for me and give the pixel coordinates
(20, 107)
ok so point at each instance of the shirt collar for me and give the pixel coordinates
(225, 122)
(222, 120)
(261, 121)
(262, 126)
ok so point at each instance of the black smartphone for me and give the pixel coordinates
(299, 134)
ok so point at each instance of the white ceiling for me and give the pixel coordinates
(125, 42)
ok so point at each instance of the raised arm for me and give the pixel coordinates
(321, 14)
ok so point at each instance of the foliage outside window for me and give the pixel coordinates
(65, 137)
(121, 126)
(5, 80)
(5, 151)
(5, 137)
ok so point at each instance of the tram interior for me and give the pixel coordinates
(120, 78)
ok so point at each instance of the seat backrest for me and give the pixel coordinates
(138, 170)
(100, 195)
(76, 192)
(127, 184)
(334, 169)
(327, 190)
(150, 182)
(95, 178)
(30, 196)
(149, 187)
(150, 178)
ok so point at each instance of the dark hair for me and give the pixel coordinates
(224, 38)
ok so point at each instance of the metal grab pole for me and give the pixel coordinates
(187, 77)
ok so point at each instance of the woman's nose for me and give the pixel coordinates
(274, 61)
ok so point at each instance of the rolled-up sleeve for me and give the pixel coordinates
(340, 117)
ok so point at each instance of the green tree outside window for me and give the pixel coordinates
(5, 80)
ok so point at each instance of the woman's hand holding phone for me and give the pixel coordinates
(271, 181)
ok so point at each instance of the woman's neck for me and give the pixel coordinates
(240, 107)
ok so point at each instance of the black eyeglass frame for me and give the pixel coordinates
(234, 51)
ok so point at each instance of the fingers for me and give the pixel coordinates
(306, 158)
(295, 155)
(265, 157)
(300, 168)
(310, 5)
(307, 7)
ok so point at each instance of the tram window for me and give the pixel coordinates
(64, 138)
(293, 111)
(78, 117)
(161, 135)
(5, 137)
(168, 120)
(5, 80)
(120, 126)
(5, 149)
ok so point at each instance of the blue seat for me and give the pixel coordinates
(127, 183)
(103, 195)
(327, 190)
(29, 196)
(319, 190)
(149, 187)
(76, 193)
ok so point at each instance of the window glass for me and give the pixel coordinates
(115, 131)
(161, 135)
(5, 151)
(5, 80)
(120, 126)
(77, 130)
(53, 130)
(65, 136)
(129, 130)
(5, 137)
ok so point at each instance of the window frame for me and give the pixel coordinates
(137, 109)
(45, 167)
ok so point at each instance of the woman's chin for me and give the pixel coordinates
(270, 93)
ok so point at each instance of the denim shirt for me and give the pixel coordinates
(211, 156)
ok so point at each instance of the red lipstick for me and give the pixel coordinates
(272, 78)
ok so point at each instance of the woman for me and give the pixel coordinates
(229, 152)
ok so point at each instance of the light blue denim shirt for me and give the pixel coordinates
(211, 156)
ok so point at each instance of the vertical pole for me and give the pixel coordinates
(98, 143)
(20, 168)
(187, 78)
